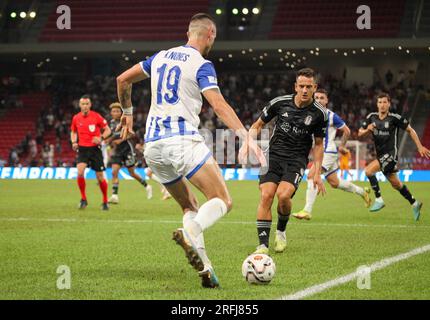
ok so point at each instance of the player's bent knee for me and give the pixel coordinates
(285, 194)
(267, 198)
(284, 197)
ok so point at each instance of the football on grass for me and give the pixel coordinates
(258, 269)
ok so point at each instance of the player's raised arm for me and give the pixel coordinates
(423, 151)
(124, 84)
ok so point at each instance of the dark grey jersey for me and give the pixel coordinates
(124, 146)
(295, 127)
(386, 132)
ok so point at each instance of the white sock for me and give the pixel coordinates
(311, 195)
(200, 241)
(209, 213)
(350, 187)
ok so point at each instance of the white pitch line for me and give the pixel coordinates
(315, 224)
(351, 276)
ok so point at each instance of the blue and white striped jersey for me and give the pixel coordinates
(178, 77)
(334, 122)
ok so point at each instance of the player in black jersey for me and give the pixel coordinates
(123, 154)
(384, 127)
(299, 120)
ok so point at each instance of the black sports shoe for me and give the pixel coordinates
(105, 207)
(83, 204)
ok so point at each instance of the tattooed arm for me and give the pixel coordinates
(124, 84)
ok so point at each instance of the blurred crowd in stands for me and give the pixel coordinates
(247, 93)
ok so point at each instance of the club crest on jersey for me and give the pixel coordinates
(92, 127)
(386, 124)
(308, 120)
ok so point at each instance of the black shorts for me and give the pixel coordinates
(289, 170)
(92, 156)
(126, 157)
(388, 163)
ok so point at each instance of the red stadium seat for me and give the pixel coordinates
(98, 20)
(15, 124)
(335, 19)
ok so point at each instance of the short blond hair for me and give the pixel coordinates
(115, 105)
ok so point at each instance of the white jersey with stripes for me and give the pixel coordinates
(178, 77)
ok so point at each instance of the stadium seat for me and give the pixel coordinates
(15, 124)
(98, 20)
(337, 19)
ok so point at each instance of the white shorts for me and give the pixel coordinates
(176, 157)
(330, 163)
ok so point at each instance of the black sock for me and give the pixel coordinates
(263, 229)
(115, 187)
(282, 221)
(404, 191)
(375, 186)
(143, 182)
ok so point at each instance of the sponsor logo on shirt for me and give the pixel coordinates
(381, 132)
(212, 79)
(292, 129)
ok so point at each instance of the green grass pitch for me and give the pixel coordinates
(127, 253)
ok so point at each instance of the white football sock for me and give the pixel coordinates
(350, 187)
(311, 195)
(200, 241)
(209, 213)
(379, 199)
